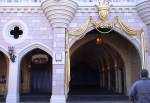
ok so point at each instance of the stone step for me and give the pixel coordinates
(81, 102)
(2, 99)
(98, 102)
(79, 99)
(97, 98)
(35, 98)
(86, 102)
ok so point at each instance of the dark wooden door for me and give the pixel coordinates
(41, 78)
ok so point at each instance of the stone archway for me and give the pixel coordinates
(4, 71)
(35, 73)
(116, 56)
(32, 46)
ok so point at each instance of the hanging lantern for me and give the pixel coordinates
(98, 40)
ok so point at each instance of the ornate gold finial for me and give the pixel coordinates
(103, 9)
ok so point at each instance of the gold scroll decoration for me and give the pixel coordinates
(67, 70)
(83, 29)
(143, 47)
(128, 30)
(117, 21)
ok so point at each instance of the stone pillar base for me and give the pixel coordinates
(12, 99)
(58, 99)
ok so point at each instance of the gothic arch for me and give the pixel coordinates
(4, 69)
(132, 40)
(4, 50)
(30, 47)
(25, 65)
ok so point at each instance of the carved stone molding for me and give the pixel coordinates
(59, 13)
(143, 10)
(115, 9)
(82, 9)
(20, 9)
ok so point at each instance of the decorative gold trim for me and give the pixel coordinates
(81, 30)
(100, 25)
(143, 47)
(103, 9)
(67, 70)
(128, 30)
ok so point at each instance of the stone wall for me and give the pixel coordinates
(38, 29)
(44, 29)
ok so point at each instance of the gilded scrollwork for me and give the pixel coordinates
(103, 9)
(81, 30)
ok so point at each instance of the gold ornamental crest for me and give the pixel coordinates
(103, 9)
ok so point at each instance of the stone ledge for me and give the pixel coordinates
(83, 9)
(20, 9)
(114, 9)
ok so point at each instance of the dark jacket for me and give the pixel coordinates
(140, 91)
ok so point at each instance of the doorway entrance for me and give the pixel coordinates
(4, 61)
(103, 68)
(36, 76)
(40, 78)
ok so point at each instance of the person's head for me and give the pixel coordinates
(144, 73)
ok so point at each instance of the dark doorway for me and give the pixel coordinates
(99, 68)
(36, 76)
(93, 71)
(40, 78)
(84, 78)
(4, 68)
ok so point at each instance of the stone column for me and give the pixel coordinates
(119, 81)
(58, 95)
(103, 78)
(116, 78)
(108, 68)
(13, 82)
(59, 14)
(58, 90)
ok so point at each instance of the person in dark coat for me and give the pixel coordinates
(140, 90)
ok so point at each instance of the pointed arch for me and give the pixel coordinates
(132, 40)
(44, 71)
(113, 43)
(4, 50)
(33, 46)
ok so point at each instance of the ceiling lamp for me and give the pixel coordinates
(40, 59)
(98, 40)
